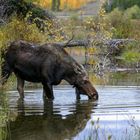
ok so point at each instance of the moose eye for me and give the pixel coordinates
(84, 82)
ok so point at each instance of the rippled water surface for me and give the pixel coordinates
(116, 115)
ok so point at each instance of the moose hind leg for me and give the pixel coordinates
(20, 86)
(48, 91)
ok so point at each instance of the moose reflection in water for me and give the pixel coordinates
(48, 64)
(51, 125)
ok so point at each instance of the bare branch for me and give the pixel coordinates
(69, 40)
(118, 42)
(72, 43)
(114, 43)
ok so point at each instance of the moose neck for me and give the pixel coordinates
(71, 80)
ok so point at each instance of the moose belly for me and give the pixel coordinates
(30, 75)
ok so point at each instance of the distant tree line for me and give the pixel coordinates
(121, 4)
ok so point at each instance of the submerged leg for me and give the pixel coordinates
(77, 94)
(20, 86)
(48, 91)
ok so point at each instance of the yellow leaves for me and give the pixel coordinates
(20, 30)
(45, 3)
(92, 50)
(102, 12)
(92, 62)
(70, 4)
(99, 27)
(23, 30)
(96, 79)
(99, 31)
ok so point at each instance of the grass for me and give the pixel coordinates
(100, 132)
(3, 116)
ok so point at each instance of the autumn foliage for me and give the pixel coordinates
(69, 4)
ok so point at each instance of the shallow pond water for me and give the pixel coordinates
(115, 116)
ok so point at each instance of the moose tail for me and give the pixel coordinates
(5, 72)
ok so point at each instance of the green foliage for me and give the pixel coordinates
(121, 4)
(133, 12)
(21, 8)
(125, 23)
(38, 12)
(121, 23)
(131, 57)
(32, 1)
(109, 137)
(131, 54)
(3, 116)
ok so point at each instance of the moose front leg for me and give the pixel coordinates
(20, 86)
(77, 94)
(48, 91)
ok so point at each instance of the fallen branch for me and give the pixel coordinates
(72, 43)
(118, 42)
(113, 43)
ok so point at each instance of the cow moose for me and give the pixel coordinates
(48, 64)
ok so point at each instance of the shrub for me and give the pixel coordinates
(110, 5)
(131, 54)
(19, 29)
(121, 24)
(133, 12)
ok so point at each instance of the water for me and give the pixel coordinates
(115, 116)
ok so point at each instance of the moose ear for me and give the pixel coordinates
(85, 78)
(77, 70)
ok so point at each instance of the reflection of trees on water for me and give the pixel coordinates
(50, 126)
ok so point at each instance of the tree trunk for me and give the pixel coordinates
(55, 5)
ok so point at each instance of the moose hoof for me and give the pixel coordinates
(20, 99)
(50, 99)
